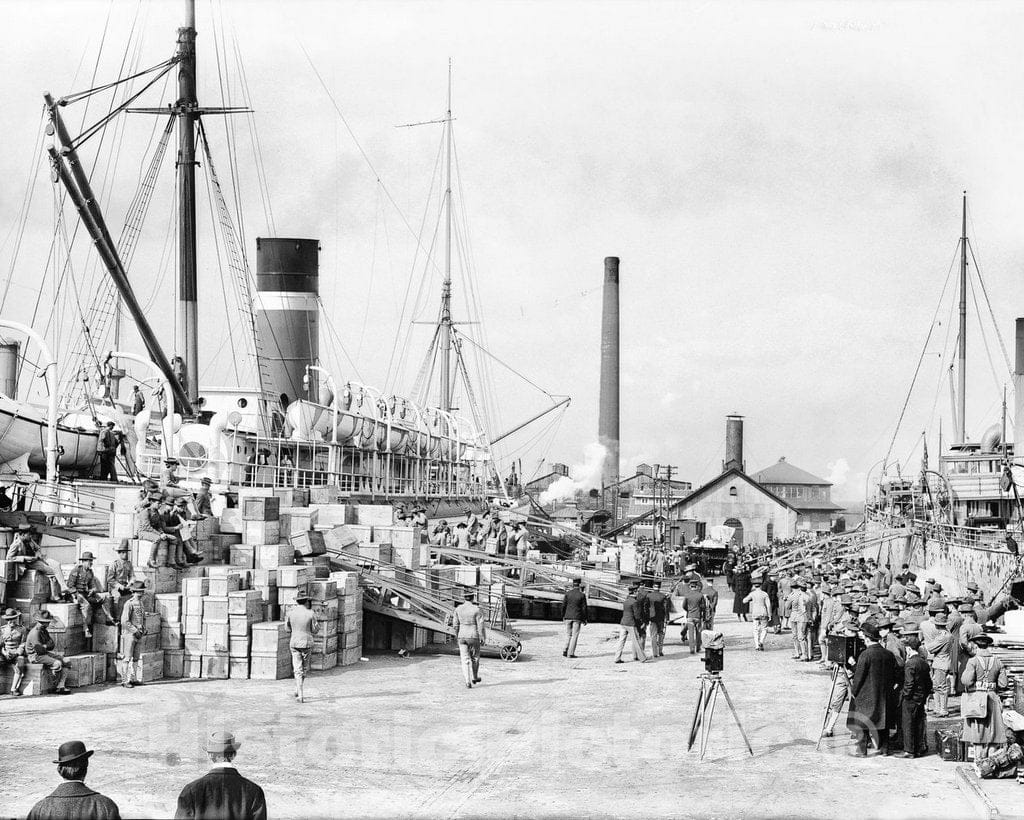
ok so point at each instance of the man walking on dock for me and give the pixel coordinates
(574, 613)
(302, 626)
(628, 627)
(472, 632)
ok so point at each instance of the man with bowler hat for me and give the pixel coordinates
(914, 691)
(39, 645)
(574, 613)
(222, 792)
(872, 714)
(72, 799)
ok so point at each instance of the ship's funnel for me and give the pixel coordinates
(1018, 392)
(608, 418)
(288, 316)
(733, 443)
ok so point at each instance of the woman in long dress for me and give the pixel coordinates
(741, 586)
(983, 673)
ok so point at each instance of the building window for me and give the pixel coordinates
(732, 491)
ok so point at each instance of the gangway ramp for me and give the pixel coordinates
(427, 600)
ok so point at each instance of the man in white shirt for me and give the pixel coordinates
(302, 626)
(760, 609)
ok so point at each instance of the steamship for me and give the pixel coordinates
(292, 424)
(963, 519)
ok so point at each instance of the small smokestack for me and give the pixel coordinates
(1018, 392)
(608, 419)
(734, 444)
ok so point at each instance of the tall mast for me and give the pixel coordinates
(446, 289)
(962, 355)
(187, 109)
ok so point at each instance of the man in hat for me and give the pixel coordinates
(26, 553)
(120, 575)
(574, 614)
(939, 643)
(172, 524)
(771, 587)
(462, 536)
(302, 625)
(188, 550)
(72, 798)
(695, 609)
(795, 610)
(419, 517)
(150, 524)
(12, 647)
(204, 501)
(914, 691)
(133, 629)
(472, 632)
(106, 449)
(169, 480)
(222, 792)
(39, 646)
(872, 689)
(87, 594)
(628, 627)
(760, 608)
(138, 401)
(845, 631)
(657, 618)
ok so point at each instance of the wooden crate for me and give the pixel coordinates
(242, 555)
(222, 587)
(350, 640)
(70, 641)
(193, 624)
(294, 575)
(244, 602)
(346, 582)
(308, 543)
(351, 604)
(270, 667)
(263, 577)
(215, 608)
(272, 556)
(158, 580)
(174, 663)
(350, 657)
(321, 565)
(238, 668)
(194, 643)
(152, 665)
(37, 680)
(239, 626)
(371, 514)
(269, 637)
(191, 665)
(322, 590)
(231, 521)
(216, 636)
(79, 670)
(195, 587)
(324, 495)
(259, 508)
(216, 666)
(268, 594)
(172, 636)
(192, 605)
(261, 532)
(168, 606)
(65, 615)
(325, 644)
(321, 663)
(238, 646)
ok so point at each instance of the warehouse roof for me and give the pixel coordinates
(782, 472)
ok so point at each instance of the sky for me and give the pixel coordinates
(781, 181)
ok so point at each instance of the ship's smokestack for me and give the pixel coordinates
(288, 314)
(734, 444)
(608, 420)
(1018, 392)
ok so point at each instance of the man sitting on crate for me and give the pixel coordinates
(82, 583)
(133, 630)
(150, 522)
(119, 578)
(27, 554)
(39, 648)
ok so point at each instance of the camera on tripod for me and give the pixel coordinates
(714, 660)
(843, 647)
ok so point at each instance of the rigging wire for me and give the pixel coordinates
(920, 359)
(991, 313)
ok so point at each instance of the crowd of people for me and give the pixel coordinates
(897, 648)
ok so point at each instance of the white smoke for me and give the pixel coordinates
(582, 477)
(838, 472)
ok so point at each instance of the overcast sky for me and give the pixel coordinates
(781, 181)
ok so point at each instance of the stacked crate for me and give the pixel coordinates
(216, 644)
(170, 608)
(326, 607)
(194, 593)
(270, 658)
(245, 608)
(67, 629)
(264, 581)
(28, 595)
(350, 617)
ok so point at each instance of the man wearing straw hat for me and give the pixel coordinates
(120, 575)
(472, 632)
(72, 798)
(222, 792)
(39, 645)
(302, 625)
(133, 629)
(87, 594)
(27, 554)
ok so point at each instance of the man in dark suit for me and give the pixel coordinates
(574, 613)
(873, 692)
(657, 607)
(72, 799)
(916, 687)
(627, 627)
(222, 793)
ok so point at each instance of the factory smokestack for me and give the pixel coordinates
(608, 419)
(1018, 392)
(734, 444)
(287, 316)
